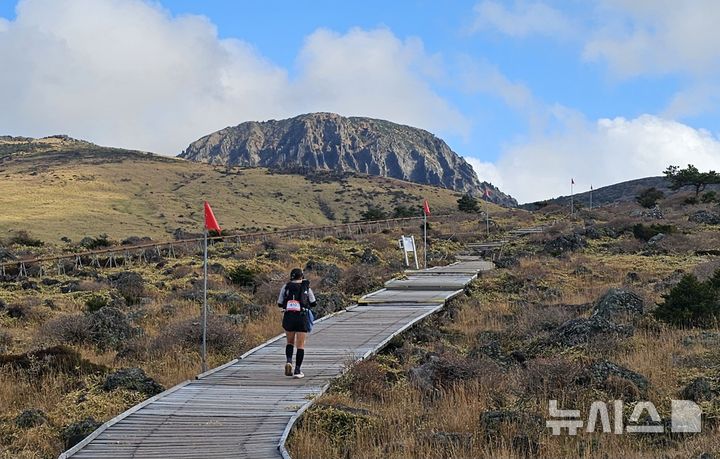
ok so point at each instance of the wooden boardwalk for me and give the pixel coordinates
(247, 407)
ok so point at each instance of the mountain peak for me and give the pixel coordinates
(328, 141)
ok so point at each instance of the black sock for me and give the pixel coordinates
(299, 358)
(288, 352)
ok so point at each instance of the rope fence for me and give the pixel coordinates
(113, 257)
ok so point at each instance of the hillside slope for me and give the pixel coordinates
(326, 141)
(616, 193)
(57, 187)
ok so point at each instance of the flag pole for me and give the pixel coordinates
(591, 190)
(425, 239)
(204, 319)
(487, 218)
(572, 204)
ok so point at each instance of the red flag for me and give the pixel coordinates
(572, 181)
(426, 208)
(487, 192)
(210, 220)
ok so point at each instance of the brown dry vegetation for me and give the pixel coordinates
(163, 323)
(382, 408)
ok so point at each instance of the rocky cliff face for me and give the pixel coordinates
(327, 141)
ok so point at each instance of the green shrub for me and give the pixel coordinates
(649, 197)
(242, 276)
(24, 238)
(92, 243)
(692, 303)
(645, 233)
(692, 200)
(373, 213)
(95, 302)
(709, 196)
(466, 203)
(405, 212)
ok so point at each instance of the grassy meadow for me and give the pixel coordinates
(62, 188)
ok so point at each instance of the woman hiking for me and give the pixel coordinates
(295, 299)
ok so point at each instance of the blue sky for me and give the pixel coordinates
(530, 92)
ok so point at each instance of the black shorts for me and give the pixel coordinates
(294, 321)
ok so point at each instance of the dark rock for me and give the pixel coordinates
(440, 371)
(706, 456)
(599, 373)
(703, 216)
(618, 304)
(656, 239)
(75, 433)
(133, 379)
(29, 285)
(591, 232)
(330, 273)
(564, 244)
(368, 257)
(493, 351)
(632, 277)
(70, 287)
(327, 303)
(30, 418)
(518, 356)
(3, 305)
(17, 311)
(655, 213)
(56, 359)
(580, 331)
(216, 268)
(49, 282)
(507, 262)
(698, 390)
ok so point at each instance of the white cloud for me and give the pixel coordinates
(127, 73)
(526, 18)
(486, 172)
(602, 153)
(373, 73)
(657, 37)
(695, 100)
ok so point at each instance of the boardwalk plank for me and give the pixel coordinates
(246, 408)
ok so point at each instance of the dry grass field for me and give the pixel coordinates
(62, 188)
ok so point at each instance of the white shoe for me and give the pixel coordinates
(298, 375)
